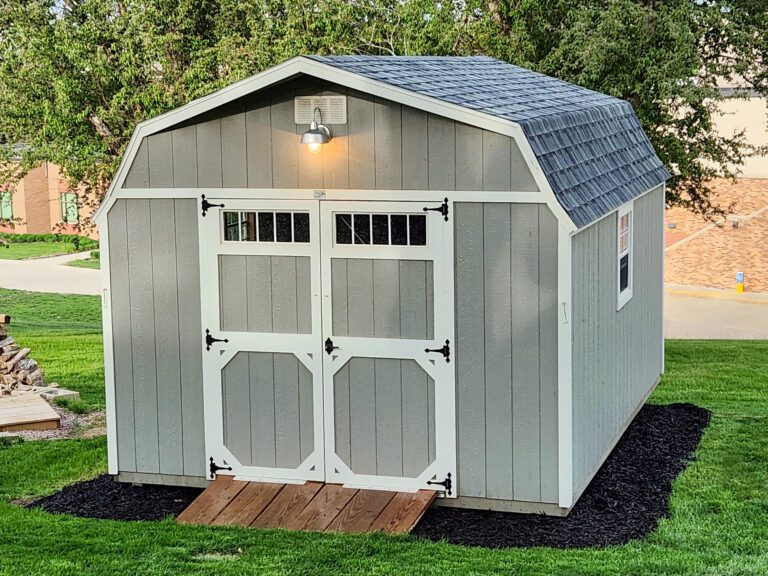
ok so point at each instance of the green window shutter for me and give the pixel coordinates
(6, 206)
(69, 210)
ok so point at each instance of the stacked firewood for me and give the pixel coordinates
(18, 372)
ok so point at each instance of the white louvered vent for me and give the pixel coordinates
(333, 109)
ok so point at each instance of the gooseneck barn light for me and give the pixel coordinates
(318, 134)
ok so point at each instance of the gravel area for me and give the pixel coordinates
(68, 424)
(625, 500)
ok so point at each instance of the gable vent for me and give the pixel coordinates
(333, 108)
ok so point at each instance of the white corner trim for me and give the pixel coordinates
(564, 364)
(109, 352)
(303, 65)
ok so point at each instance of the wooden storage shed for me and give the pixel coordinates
(385, 272)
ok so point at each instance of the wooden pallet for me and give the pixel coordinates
(310, 506)
(26, 412)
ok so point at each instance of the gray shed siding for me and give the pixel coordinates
(506, 351)
(155, 308)
(254, 143)
(617, 355)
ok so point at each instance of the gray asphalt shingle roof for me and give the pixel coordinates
(590, 146)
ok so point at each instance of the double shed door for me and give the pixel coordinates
(331, 325)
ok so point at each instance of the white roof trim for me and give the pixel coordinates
(302, 65)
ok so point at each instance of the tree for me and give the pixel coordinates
(76, 76)
(665, 58)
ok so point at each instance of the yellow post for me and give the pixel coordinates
(740, 282)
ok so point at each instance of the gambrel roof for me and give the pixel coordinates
(591, 147)
(586, 150)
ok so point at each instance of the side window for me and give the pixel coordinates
(624, 235)
(6, 206)
(69, 211)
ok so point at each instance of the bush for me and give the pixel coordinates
(95, 255)
(79, 242)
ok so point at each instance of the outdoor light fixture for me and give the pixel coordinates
(317, 135)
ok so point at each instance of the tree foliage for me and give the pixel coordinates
(76, 76)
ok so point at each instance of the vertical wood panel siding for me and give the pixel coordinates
(266, 421)
(506, 350)
(255, 143)
(265, 294)
(384, 417)
(382, 298)
(617, 356)
(155, 307)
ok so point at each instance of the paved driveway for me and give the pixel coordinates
(50, 275)
(709, 314)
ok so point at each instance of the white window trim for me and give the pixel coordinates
(622, 297)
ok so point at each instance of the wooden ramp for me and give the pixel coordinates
(26, 412)
(310, 506)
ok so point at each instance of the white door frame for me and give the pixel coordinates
(439, 250)
(306, 347)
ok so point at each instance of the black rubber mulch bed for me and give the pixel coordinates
(625, 500)
(104, 498)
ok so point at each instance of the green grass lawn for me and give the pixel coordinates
(93, 263)
(64, 333)
(718, 525)
(23, 250)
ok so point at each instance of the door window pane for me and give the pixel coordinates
(418, 229)
(284, 226)
(266, 227)
(248, 226)
(301, 227)
(399, 224)
(343, 229)
(231, 226)
(380, 229)
(362, 226)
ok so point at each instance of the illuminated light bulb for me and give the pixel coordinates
(314, 147)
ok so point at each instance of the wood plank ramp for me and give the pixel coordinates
(310, 506)
(26, 412)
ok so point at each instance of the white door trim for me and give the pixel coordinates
(306, 347)
(439, 250)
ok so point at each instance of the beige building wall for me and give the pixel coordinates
(750, 115)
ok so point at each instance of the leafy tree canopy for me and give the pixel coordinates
(76, 76)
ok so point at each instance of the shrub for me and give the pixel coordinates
(79, 242)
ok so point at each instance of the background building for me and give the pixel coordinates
(42, 203)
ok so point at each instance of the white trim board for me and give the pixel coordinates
(109, 352)
(333, 194)
(564, 369)
(302, 65)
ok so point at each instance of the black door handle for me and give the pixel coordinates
(329, 347)
(445, 350)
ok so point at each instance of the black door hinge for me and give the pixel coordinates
(447, 484)
(443, 209)
(329, 347)
(445, 350)
(209, 340)
(214, 468)
(206, 205)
